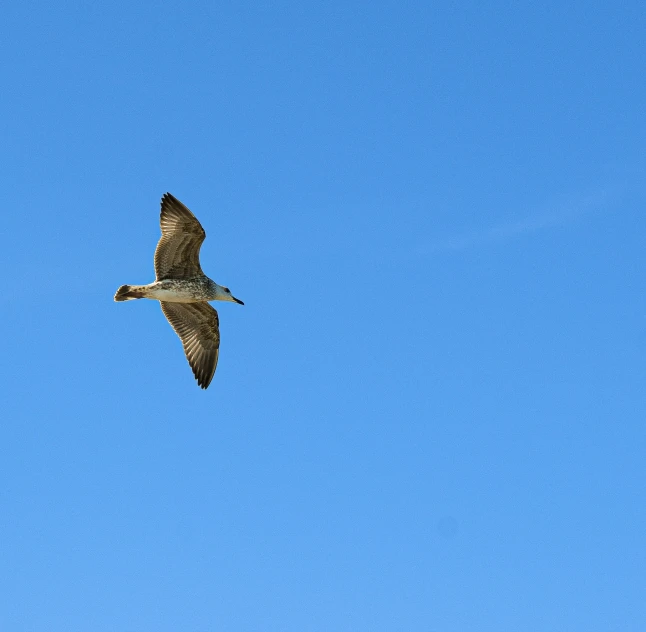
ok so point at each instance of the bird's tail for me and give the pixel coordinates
(129, 292)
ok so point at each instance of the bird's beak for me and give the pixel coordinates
(237, 300)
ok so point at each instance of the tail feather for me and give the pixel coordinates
(128, 293)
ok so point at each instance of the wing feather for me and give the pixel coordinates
(198, 327)
(177, 255)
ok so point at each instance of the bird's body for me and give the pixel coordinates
(192, 290)
(183, 289)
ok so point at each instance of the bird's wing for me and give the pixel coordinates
(197, 325)
(178, 252)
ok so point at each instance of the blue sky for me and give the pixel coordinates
(429, 414)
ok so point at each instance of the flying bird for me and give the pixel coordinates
(183, 289)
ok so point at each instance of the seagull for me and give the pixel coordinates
(183, 289)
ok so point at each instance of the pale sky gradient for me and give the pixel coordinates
(399, 435)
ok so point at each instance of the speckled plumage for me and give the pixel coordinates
(183, 289)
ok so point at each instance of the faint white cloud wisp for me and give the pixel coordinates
(557, 215)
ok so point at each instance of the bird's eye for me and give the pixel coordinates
(227, 290)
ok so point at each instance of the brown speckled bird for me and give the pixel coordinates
(183, 289)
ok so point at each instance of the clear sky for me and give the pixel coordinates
(429, 414)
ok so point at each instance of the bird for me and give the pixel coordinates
(183, 290)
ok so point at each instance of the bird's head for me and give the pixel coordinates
(224, 294)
